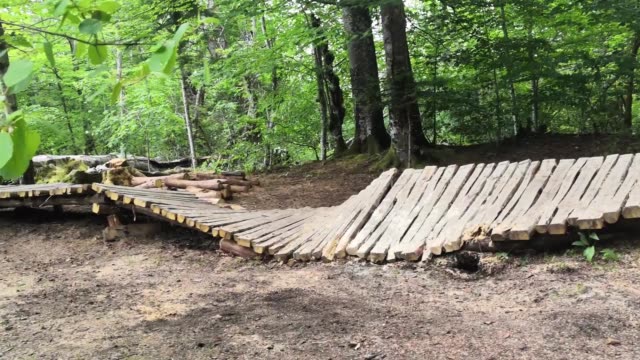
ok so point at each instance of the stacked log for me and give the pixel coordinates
(212, 187)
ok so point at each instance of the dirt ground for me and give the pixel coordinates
(64, 294)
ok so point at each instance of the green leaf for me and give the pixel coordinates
(48, 51)
(90, 26)
(97, 54)
(25, 145)
(18, 76)
(81, 49)
(6, 148)
(168, 68)
(109, 6)
(589, 253)
(160, 57)
(101, 15)
(180, 32)
(61, 7)
(18, 40)
(73, 18)
(594, 237)
(578, 243)
(583, 237)
(115, 95)
(144, 70)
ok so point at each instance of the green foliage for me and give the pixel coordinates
(610, 255)
(18, 76)
(588, 244)
(101, 76)
(25, 144)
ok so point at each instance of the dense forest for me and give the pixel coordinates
(258, 83)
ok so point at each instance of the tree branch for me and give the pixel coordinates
(95, 43)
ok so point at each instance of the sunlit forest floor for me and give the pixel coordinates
(64, 293)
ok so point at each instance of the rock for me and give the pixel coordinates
(613, 342)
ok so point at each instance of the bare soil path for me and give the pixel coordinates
(64, 294)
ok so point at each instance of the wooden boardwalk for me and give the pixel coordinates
(44, 195)
(407, 215)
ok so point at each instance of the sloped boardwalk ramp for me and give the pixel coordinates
(407, 215)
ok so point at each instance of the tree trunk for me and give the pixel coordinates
(628, 98)
(65, 108)
(274, 87)
(407, 135)
(535, 105)
(322, 101)
(187, 120)
(509, 67)
(10, 100)
(330, 83)
(370, 134)
(89, 141)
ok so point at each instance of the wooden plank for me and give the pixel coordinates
(318, 224)
(475, 223)
(524, 226)
(407, 199)
(344, 216)
(631, 208)
(503, 195)
(558, 224)
(454, 233)
(273, 227)
(527, 198)
(407, 178)
(423, 196)
(341, 214)
(611, 209)
(595, 186)
(593, 216)
(414, 246)
(450, 227)
(370, 204)
(550, 208)
(230, 230)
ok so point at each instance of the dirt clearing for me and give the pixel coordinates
(64, 294)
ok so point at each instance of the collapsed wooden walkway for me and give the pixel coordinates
(402, 215)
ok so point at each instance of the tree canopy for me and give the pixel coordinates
(254, 84)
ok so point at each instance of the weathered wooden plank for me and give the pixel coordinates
(423, 197)
(450, 227)
(531, 192)
(407, 178)
(612, 210)
(414, 246)
(455, 233)
(595, 186)
(631, 208)
(370, 203)
(524, 226)
(342, 213)
(407, 197)
(567, 183)
(593, 215)
(503, 195)
(558, 224)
